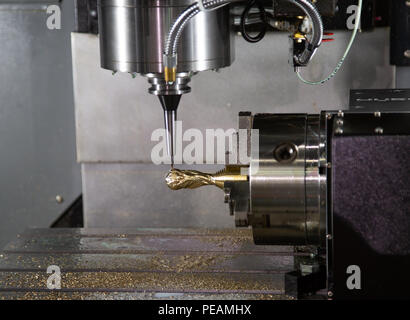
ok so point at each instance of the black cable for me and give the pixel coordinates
(262, 13)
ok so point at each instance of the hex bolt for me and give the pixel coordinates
(329, 116)
(329, 236)
(330, 294)
(339, 131)
(377, 114)
(340, 114)
(339, 122)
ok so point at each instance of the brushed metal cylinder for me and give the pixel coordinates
(286, 183)
(133, 34)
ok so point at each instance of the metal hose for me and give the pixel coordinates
(317, 30)
(190, 12)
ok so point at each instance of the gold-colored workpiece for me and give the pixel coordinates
(191, 179)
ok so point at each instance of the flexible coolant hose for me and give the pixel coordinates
(175, 32)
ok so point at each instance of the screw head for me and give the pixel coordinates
(339, 131)
(93, 13)
(329, 236)
(329, 165)
(340, 114)
(339, 122)
(329, 116)
(285, 153)
(378, 130)
(377, 114)
(330, 293)
(59, 199)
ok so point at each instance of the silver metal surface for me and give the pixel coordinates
(315, 181)
(37, 126)
(133, 34)
(143, 263)
(160, 87)
(285, 182)
(170, 120)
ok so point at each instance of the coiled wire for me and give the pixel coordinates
(262, 13)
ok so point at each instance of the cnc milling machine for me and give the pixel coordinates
(325, 195)
(311, 179)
